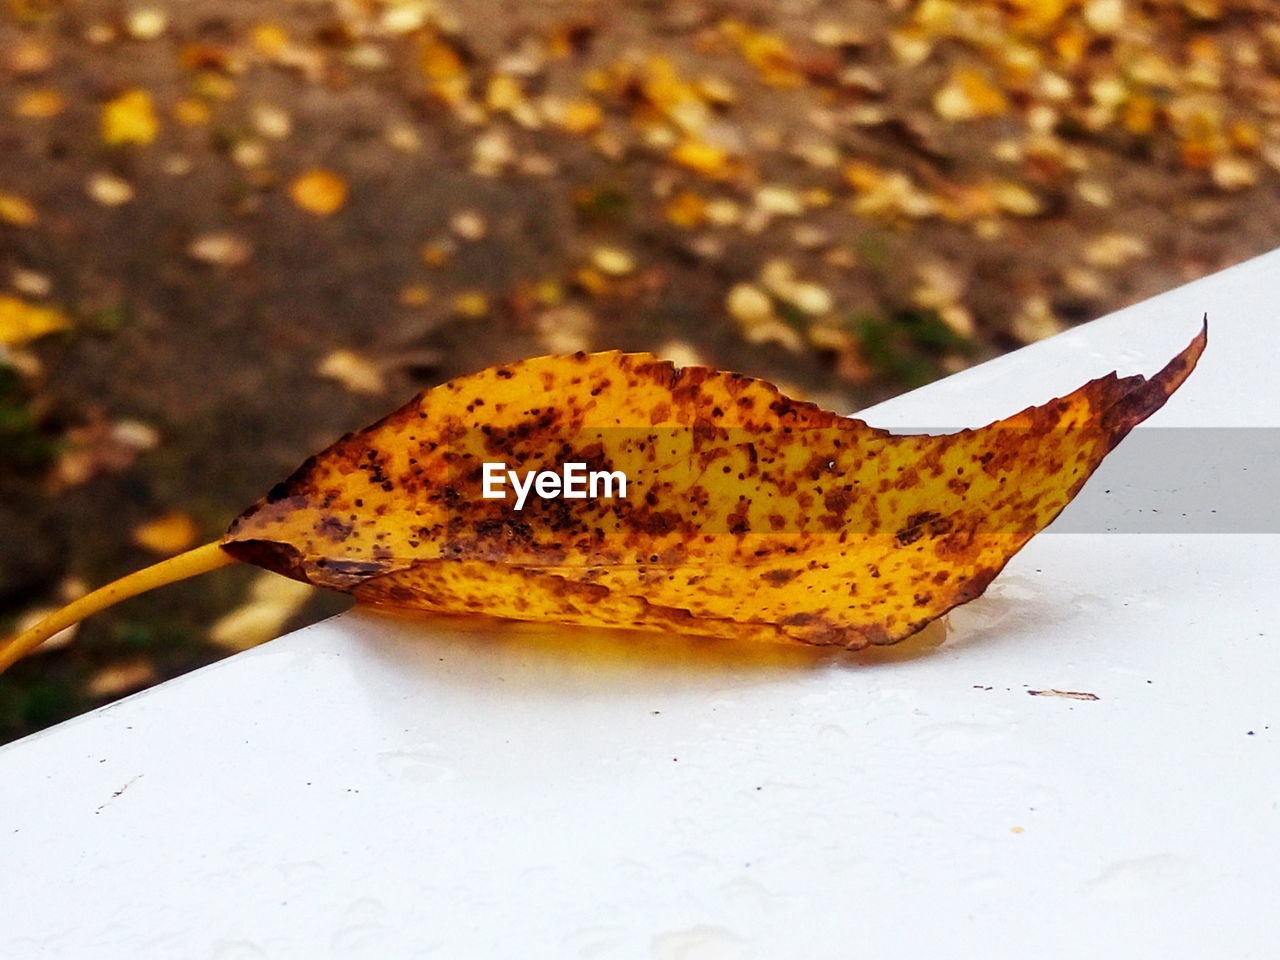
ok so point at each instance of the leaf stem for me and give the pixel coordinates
(198, 560)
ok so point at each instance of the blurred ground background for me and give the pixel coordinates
(231, 230)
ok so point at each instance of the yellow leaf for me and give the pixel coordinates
(39, 104)
(1036, 16)
(503, 93)
(17, 210)
(686, 209)
(471, 304)
(717, 506)
(1016, 199)
(767, 52)
(440, 61)
(743, 513)
(271, 39)
(1140, 115)
(21, 321)
(581, 117)
(969, 95)
(167, 534)
(321, 192)
(704, 158)
(191, 112)
(129, 118)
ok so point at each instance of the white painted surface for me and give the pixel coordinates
(381, 788)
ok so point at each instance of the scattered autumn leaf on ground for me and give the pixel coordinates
(130, 118)
(358, 374)
(39, 104)
(119, 678)
(21, 321)
(321, 192)
(225, 249)
(109, 190)
(272, 601)
(17, 210)
(100, 447)
(167, 534)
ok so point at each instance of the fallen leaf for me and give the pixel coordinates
(1234, 173)
(440, 61)
(21, 321)
(580, 117)
(686, 209)
(613, 261)
(969, 95)
(167, 534)
(109, 190)
(469, 224)
(272, 601)
(39, 104)
(565, 329)
(130, 118)
(192, 112)
(767, 52)
(358, 374)
(30, 282)
(17, 210)
(1035, 319)
(225, 249)
(147, 23)
(321, 192)
(503, 93)
(28, 57)
(250, 153)
(100, 447)
(704, 158)
(271, 39)
(745, 513)
(748, 304)
(471, 304)
(1112, 250)
(414, 295)
(121, 678)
